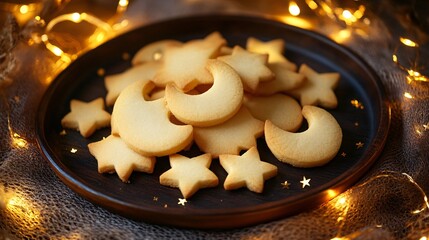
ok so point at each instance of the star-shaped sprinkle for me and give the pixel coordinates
(274, 48)
(73, 150)
(252, 67)
(113, 155)
(86, 117)
(185, 65)
(182, 201)
(189, 174)
(305, 182)
(318, 89)
(285, 184)
(357, 104)
(155, 199)
(246, 170)
(343, 154)
(426, 126)
(359, 145)
(284, 81)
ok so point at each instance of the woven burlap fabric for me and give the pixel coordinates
(382, 205)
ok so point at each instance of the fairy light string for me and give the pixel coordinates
(413, 71)
(103, 31)
(343, 204)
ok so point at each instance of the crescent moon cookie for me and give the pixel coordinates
(238, 133)
(318, 89)
(251, 67)
(280, 109)
(185, 65)
(145, 126)
(117, 82)
(216, 105)
(113, 155)
(246, 170)
(314, 147)
(274, 48)
(189, 174)
(153, 51)
(86, 117)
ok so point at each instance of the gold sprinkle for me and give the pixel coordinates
(426, 126)
(155, 199)
(305, 182)
(356, 124)
(73, 150)
(357, 104)
(63, 132)
(101, 72)
(285, 184)
(165, 206)
(182, 201)
(359, 145)
(343, 154)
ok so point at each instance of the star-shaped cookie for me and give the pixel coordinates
(113, 155)
(251, 67)
(284, 81)
(186, 65)
(230, 137)
(118, 82)
(86, 117)
(189, 174)
(246, 170)
(318, 89)
(274, 48)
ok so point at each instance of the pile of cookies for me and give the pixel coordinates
(219, 97)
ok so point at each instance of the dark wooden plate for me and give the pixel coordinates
(145, 199)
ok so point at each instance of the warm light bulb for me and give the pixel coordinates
(342, 200)
(76, 17)
(24, 9)
(18, 141)
(311, 4)
(408, 95)
(331, 193)
(294, 8)
(56, 50)
(123, 3)
(347, 14)
(408, 42)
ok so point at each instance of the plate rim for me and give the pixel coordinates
(339, 184)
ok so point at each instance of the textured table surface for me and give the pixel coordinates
(387, 203)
